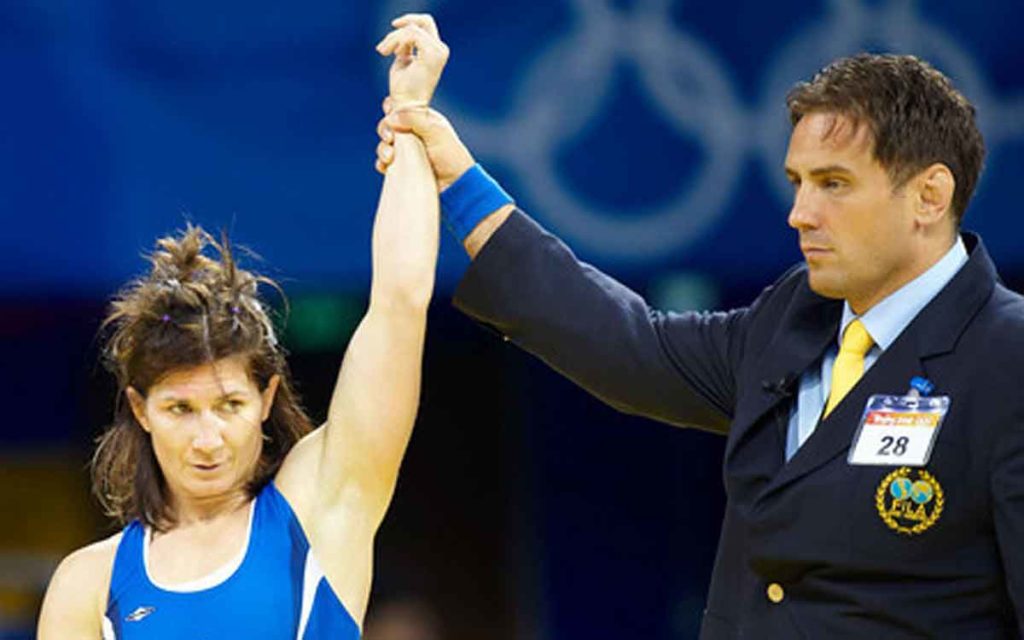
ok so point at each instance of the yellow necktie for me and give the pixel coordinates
(849, 365)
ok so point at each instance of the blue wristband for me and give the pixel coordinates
(470, 199)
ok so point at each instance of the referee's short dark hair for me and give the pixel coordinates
(916, 116)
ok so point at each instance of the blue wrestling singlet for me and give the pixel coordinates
(274, 590)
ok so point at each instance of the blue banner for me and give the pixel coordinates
(649, 134)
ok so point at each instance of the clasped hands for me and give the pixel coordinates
(419, 58)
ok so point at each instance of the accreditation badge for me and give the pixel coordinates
(898, 430)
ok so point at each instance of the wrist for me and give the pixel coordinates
(461, 162)
(469, 200)
(477, 238)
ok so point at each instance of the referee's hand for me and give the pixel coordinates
(448, 156)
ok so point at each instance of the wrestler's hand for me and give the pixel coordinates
(448, 156)
(420, 56)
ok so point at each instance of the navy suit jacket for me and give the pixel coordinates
(804, 551)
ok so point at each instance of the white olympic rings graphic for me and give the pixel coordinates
(692, 90)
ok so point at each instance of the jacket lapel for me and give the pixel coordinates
(805, 330)
(933, 332)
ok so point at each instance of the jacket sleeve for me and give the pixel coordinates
(678, 368)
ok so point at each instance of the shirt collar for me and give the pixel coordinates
(886, 320)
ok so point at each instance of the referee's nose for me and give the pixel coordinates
(803, 214)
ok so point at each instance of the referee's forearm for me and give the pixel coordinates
(477, 238)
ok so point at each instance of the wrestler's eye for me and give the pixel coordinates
(179, 409)
(233, 405)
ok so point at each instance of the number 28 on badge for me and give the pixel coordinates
(898, 430)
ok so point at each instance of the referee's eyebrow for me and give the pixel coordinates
(817, 172)
(830, 169)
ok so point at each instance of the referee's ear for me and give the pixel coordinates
(138, 405)
(932, 190)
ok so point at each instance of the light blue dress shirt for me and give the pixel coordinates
(884, 322)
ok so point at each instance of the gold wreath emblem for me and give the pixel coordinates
(909, 504)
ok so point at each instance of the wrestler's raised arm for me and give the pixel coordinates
(341, 478)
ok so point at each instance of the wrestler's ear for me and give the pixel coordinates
(138, 404)
(268, 396)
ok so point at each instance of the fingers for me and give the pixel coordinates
(415, 120)
(390, 124)
(408, 120)
(385, 148)
(387, 105)
(410, 39)
(423, 20)
(384, 131)
(412, 33)
(385, 154)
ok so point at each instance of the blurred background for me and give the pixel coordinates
(648, 134)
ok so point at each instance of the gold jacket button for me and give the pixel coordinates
(775, 592)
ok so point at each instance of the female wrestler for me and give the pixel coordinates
(241, 520)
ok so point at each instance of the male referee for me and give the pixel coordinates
(870, 397)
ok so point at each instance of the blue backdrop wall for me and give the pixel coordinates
(649, 134)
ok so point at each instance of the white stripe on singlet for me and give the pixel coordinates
(311, 577)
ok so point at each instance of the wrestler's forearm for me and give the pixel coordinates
(405, 231)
